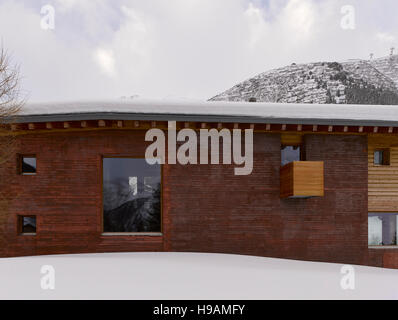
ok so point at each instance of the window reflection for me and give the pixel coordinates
(290, 154)
(28, 165)
(131, 195)
(28, 224)
(382, 229)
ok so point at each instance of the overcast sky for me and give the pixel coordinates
(181, 48)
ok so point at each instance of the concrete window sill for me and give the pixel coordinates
(152, 234)
(382, 247)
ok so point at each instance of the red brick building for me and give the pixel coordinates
(77, 183)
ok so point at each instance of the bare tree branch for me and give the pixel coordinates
(11, 103)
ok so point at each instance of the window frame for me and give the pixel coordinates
(20, 158)
(386, 161)
(137, 234)
(20, 218)
(388, 246)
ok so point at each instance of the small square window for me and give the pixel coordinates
(27, 224)
(291, 153)
(381, 157)
(27, 165)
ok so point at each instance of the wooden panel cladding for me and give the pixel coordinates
(291, 139)
(383, 179)
(286, 180)
(300, 179)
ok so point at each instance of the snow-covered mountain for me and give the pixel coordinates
(388, 66)
(349, 82)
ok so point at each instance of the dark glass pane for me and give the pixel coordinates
(28, 165)
(290, 154)
(28, 224)
(382, 229)
(131, 195)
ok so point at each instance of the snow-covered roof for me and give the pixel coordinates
(217, 111)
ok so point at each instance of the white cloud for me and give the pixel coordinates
(385, 37)
(186, 48)
(256, 23)
(299, 17)
(106, 61)
(65, 5)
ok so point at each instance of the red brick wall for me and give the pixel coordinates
(206, 208)
(66, 194)
(212, 210)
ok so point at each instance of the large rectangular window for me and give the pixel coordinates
(131, 195)
(382, 229)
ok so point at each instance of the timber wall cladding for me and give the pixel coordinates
(383, 180)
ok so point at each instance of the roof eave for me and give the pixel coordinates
(197, 118)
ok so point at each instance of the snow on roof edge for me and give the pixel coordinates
(180, 110)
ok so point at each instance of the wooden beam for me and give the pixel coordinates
(136, 123)
(360, 129)
(375, 129)
(66, 125)
(283, 127)
(302, 178)
(345, 129)
(315, 128)
(13, 127)
(49, 125)
(186, 124)
(83, 124)
(203, 125)
(31, 126)
(219, 125)
(153, 124)
(236, 125)
(268, 127)
(120, 124)
(252, 126)
(299, 127)
(101, 123)
(390, 130)
(330, 128)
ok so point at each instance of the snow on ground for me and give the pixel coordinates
(188, 276)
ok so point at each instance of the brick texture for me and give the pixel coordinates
(206, 208)
(210, 209)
